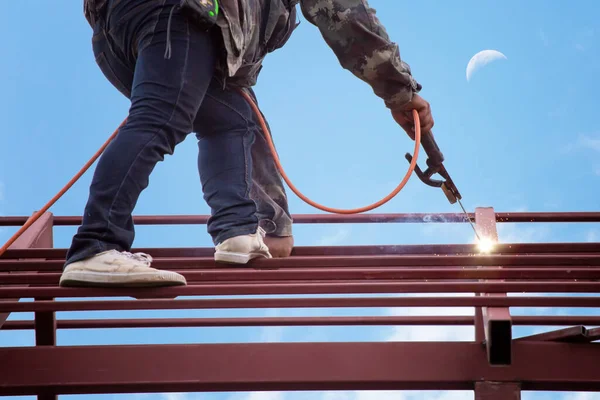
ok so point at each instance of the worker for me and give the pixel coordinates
(181, 64)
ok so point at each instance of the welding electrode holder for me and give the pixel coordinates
(435, 165)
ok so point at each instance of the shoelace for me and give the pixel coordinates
(262, 234)
(143, 257)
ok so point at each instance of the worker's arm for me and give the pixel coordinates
(363, 47)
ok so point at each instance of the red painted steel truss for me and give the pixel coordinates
(496, 365)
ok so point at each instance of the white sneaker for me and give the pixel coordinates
(241, 249)
(114, 268)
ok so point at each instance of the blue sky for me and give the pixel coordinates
(521, 135)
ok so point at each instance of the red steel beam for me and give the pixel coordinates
(327, 302)
(571, 260)
(25, 266)
(338, 219)
(336, 274)
(593, 334)
(292, 367)
(497, 391)
(248, 322)
(39, 234)
(277, 288)
(45, 327)
(439, 249)
(497, 324)
(45, 335)
(574, 334)
(459, 320)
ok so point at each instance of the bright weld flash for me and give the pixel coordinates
(485, 245)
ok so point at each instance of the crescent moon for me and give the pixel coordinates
(482, 58)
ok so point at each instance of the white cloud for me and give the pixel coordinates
(177, 396)
(273, 333)
(208, 396)
(400, 395)
(448, 233)
(592, 236)
(521, 233)
(337, 396)
(169, 396)
(590, 143)
(433, 333)
(582, 396)
(586, 142)
(336, 238)
(265, 396)
(584, 39)
(259, 396)
(380, 395)
(543, 38)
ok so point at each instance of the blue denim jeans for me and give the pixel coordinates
(171, 96)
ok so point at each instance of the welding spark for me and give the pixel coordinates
(485, 245)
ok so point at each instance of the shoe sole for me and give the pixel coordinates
(237, 258)
(139, 279)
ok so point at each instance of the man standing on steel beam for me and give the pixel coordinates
(180, 62)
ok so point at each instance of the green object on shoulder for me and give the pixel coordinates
(203, 12)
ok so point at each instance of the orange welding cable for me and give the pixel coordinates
(381, 202)
(31, 220)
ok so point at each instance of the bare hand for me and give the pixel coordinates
(404, 116)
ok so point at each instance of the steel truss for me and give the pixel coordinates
(495, 365)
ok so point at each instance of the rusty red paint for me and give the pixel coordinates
(592, 334)
(572, 260)
(267, 366)
(497, 391)
(45, 327)
(496, 321)
(232, 275)
(316, 287)
(458, 320)
(39, 234)
(534, 267)
(338, 219)
(478, 324)
(574, 334)
(437, 249)
(328, 302)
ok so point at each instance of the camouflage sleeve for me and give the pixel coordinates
(363, 47)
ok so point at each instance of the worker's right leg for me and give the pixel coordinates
(166, 94)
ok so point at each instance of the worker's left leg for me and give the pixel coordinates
(269, 194)
(226, 133)
(166, 94)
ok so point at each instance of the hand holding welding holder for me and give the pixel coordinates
(203, 13)
(435, 165)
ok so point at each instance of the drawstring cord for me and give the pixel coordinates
(168, 45)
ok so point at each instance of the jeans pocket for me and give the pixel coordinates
(113, 77)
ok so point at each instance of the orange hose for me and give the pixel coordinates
(31, 220)
(381, 202)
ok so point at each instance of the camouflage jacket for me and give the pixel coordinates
(253, 28)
